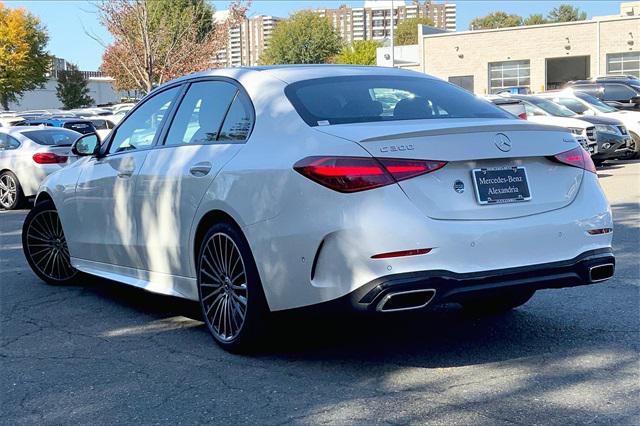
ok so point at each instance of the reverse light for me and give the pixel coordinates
(576, 157)
(48, 158)
(414, 252)
(352, 174)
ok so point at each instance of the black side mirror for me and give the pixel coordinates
(636, 100)
(85, 145)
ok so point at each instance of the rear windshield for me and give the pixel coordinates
(52, 136)
(83, 127)
(361, 99)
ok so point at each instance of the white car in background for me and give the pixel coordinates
(27, 156)
(103, 125)
(252, 190)
(584, 104)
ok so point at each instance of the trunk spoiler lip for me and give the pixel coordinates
(497, 128)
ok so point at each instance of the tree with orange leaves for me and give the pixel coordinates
(158, 40)
(24, 62)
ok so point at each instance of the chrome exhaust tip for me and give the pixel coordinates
(406, 300)
(601, 272)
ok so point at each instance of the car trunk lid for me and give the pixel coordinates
(479, 145)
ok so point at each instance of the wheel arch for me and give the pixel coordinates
(42, 197)
(207, 220)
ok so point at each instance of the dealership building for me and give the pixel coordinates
(539, 57)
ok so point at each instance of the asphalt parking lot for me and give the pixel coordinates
(103, 353)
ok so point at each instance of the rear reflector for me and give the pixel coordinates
(352, 174)
(48, 158)
(576, 157)
(600, 231)
(414, 252)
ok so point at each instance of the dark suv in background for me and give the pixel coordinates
(621, 92)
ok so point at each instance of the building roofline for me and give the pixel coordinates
(594, 20)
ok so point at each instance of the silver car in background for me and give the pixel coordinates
(27, 156)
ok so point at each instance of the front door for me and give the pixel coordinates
(106, 228)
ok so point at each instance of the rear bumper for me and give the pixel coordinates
(455, 287)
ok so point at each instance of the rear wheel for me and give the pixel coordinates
(231, 297)
(636, 140)
(45, 246)
(11, 196)
(498, 303)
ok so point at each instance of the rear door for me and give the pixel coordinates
(210, 126)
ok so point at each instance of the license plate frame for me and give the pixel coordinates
(523, 189)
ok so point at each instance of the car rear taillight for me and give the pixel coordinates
(352, 174)
(48, 158)
(576, 157)
(522, 116)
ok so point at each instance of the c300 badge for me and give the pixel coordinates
(395, 148)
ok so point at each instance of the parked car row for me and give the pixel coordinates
(601, 129)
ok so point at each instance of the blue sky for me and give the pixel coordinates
(69, 21)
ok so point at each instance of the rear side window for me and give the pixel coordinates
(360, 99)
(618, 92)
(201, 112)
(7, 142)
(52, 136)
(591, 89)
(237, 124)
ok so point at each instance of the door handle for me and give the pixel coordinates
(125, 173)
(201, 169)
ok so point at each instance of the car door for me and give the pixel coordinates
(105, 229)
(209, 127)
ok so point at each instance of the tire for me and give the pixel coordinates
(498, 303)
(11, 195)
(45, 246)
(231, 297)
(636, 139)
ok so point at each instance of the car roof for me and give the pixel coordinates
(294, 73)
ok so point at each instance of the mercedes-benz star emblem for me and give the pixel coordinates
(502, 142)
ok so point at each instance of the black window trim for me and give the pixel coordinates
(162, 140)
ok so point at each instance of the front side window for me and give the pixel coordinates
(590, 89)
(199, 117)
(361, 99)
(595, 102)
(627, 63)
(553, 108)
(140, 128)
(503, 75)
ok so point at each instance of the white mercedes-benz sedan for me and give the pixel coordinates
(253, 190)
(27, 156)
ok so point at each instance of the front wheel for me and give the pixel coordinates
(231, 297)
(498, 303)
(45, 246)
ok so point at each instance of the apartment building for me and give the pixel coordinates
(373, 21)
(247, 40)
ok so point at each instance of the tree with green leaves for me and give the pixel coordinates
(361, 52)
(407, 31)
(305, 38)
(535, 19)
(73, 89)
(566, 13)
(24, 62)
(495, 20)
